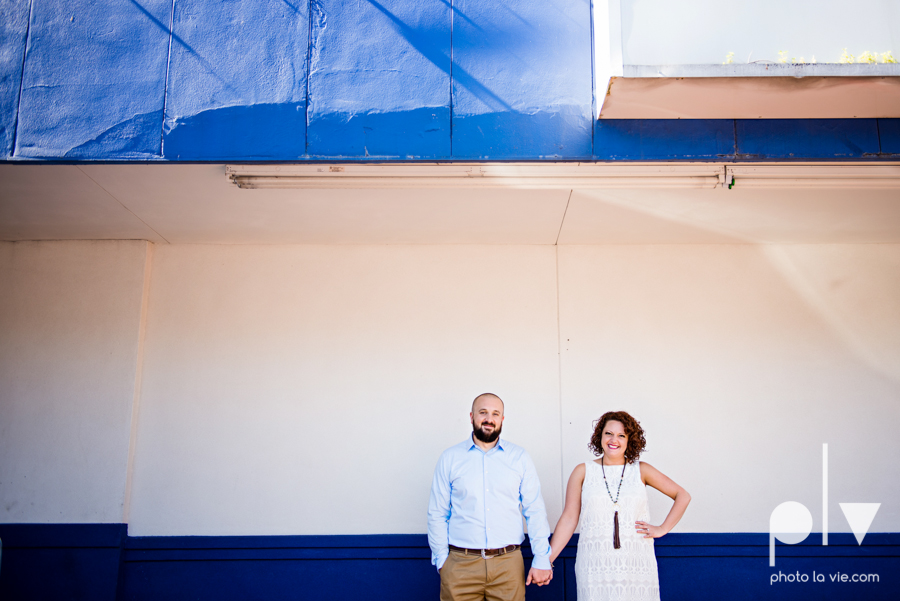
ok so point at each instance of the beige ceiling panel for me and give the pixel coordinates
(602, 217)
(803, 216)
(198, 204)
(60, 202)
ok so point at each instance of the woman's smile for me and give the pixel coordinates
(614, 439)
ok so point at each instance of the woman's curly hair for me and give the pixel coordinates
(636, 441)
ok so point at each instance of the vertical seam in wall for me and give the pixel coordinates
(593, 88)
(162, 127)
(878, 133)
(562, 468)
(309, 50)
(734, 133)
(138, 376)
(15, 137)
(563, 221)
(451, 78)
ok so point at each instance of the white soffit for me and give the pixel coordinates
(50, 202)
(742, 215)
(199, 204)
(754, 91)
(183, 203)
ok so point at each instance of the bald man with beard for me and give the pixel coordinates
(481, 489)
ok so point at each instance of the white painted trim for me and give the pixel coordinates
(766, 70)
(616, 62)
(607, 40)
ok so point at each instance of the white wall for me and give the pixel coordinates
(662, 32)
(69, 343)
(311, 389)
(740, 362)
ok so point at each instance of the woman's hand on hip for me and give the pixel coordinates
(649, 530)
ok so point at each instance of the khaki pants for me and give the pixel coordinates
(471, 578)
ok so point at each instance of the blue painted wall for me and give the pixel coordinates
(522, 80)
(97, 561)
(889, 137)
(13, 32)
(94, 79)
(664, 139)
(289, 80)
(379, 82)
(798, 138)
(237, 80)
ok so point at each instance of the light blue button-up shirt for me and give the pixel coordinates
(478, 500)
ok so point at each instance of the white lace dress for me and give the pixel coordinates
(603, 573)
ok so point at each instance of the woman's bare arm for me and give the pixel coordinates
(658, 480)
(568, 521)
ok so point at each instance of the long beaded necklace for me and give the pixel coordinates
(616, 543)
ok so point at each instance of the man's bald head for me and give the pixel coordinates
(484, 396)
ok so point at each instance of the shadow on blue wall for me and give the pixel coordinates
(97, 76)
(128, 139)
(94, 74)
(236, 85)
(330, 80)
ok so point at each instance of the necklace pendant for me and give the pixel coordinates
(616, 542)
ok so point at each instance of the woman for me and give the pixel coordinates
(615, 559)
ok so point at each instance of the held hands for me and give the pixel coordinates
(649, 530)
(539, 577)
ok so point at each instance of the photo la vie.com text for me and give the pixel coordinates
(819, 577)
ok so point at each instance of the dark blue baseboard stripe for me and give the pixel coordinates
(61, 561)
(99, 562)
(63, 535)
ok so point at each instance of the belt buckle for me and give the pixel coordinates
(483, 556)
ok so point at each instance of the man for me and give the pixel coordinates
(482, 487)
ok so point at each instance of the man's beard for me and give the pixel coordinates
(484, 437)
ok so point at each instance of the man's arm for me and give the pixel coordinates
(536, 520)
(439, 514)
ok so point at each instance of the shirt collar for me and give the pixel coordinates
(472, 444)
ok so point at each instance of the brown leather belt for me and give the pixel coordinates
(486, 553)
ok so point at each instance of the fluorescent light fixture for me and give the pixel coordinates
(815, 176)
(496, 175)
(578, 176)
